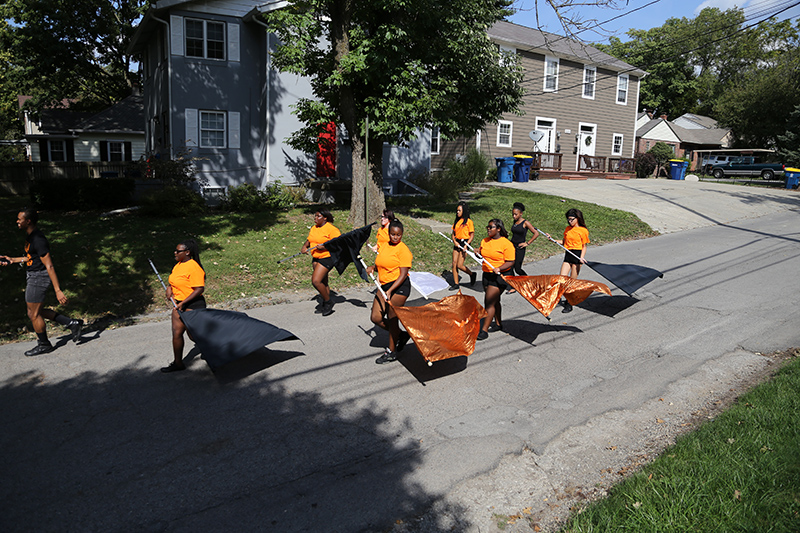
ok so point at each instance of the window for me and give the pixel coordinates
(504, 129)
(212, 129)
(435, 141)
(616, 146)
(58, 151)
(589, 79)
(116, 151)
(205, 38)
(550, 74)
(622, 89)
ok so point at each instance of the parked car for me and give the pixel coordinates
(747, 166)
(709, 162)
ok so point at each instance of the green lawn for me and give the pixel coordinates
(740, 472)
(102, 263)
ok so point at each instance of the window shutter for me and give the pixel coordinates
(44, 150)
(176, 35)
(233, 42)
(103, 150)
(234, 137)
(190, 139)
(128, 154)
(70, 150)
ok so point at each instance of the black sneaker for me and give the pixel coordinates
(387, 357)
(453, 287)
(401, 341)
(327, 308)
(40, 349)
(318, 308)
(495, 327)
(75, 326)
(567, 308)
(483, 335)
(472, 277)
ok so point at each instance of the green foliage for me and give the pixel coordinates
(662, 152)
(246, 198)
(172, 201)
(646, 163)
(180, 171)
(459, 175)
(790, 140)
(82, 193)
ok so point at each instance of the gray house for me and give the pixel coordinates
(211, 93)
(583, 102)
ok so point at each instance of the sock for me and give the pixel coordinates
(43, 338)
(61, 319)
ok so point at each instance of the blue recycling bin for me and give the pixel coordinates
(505, 169)
(522, 167)
(792, 177)
(677, 168)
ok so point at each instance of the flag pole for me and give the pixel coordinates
(295, 255)
(162, 283)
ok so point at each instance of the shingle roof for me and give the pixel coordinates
(692, 136)
(700, 120)
(558, 45)
(126, 116)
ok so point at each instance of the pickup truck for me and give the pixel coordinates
(747, 166)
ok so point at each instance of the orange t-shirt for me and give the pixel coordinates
(184, 277)
(382, 236)
(462, 230)
(496, 251)
(321, 235)
(575, 237)
(389, 261)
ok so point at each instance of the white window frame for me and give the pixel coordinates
(63, 145)
(203, 142)
(614, 143)
(587, 83)
(548, 60)
(121, 150)
(436, 141)
(623, 91)
(205, 39)
(500, 124)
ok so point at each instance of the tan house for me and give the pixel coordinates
(581, 101)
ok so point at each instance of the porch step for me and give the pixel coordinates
(617, 177)
(573, 177)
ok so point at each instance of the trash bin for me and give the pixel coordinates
(792, 177)
(505, 169)
(522, 167)
(677, 168)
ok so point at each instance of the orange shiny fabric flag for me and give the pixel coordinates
(544, 292)
(444, 329)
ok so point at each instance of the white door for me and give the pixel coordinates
(587, 139)
(546, 144)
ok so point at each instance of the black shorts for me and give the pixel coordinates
(327, 262)
(36, 284)
(571, 259)
(197, 303)
(403, 290)
(495, 280)
(462, 242)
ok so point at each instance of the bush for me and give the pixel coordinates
(246, 198)
(172, 201)
(178, 171)
(82, 193)
(459, 175)
(645, 165)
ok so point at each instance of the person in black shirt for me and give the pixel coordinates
(40, 275)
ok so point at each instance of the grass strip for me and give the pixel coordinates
(739, 472)
(103, 270)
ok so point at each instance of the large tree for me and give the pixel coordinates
(400, 65)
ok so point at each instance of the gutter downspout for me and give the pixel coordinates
(265, 168)
(169, 83)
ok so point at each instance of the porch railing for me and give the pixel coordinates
(544, 160)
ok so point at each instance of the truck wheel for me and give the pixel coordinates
(767, 174)
(719, 174)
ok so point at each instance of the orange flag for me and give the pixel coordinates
(444, 329)
(544, 292)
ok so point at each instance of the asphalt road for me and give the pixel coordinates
(313, 436)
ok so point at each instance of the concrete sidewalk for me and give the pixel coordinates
(672, 205)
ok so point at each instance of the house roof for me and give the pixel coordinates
(126, 116)
(700, 120)
(705, 136)
(558, 45)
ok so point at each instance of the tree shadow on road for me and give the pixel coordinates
(132, 450)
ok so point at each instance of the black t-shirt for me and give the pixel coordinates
(36, 246)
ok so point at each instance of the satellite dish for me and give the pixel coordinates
(536, 135)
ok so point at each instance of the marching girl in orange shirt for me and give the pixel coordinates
(393, 263)
(576, 237)
(187, 282)
(382, 235)
(463, 232)
(322, 231)
(498, 251)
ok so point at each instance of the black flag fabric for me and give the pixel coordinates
(346, 248)
(224, 336)
(629, 278)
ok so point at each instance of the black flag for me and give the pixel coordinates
(629, 278)
(346, 248)
(224, 336)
